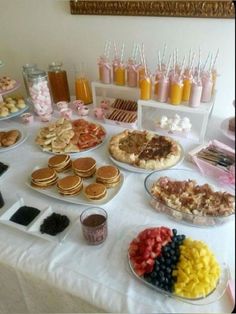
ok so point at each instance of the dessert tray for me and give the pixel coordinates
(70, 136)
(8, 91)
(170, 275)
(34, 227)
(224, 129)
(80, 199)
(202, 216)
(136, 169)
(15, 114)
(23, 137)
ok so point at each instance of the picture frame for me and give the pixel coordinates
(164, 8)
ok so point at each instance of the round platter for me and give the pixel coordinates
(87, 136)
(141, 170)
(15, 114)
(224, 129)
(22, 139)
(75, 153)
(5, 92)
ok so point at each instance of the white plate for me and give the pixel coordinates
(23, 137)
(140, 170)
(8, 213)
(5, 92)
(34, 229)
(80, 199)
(225, 130)
(15, 114)
(76, 153)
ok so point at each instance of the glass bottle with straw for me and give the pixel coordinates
(196, 90)
(163, 84)
(82, 86)
(188, 79)
(158, 75)
(115, 62)
(176, 86)
(145, 83)
(119, 69)
(214, 72)
(104, 65)
(207, 85)
(132, 74)
(141, 67)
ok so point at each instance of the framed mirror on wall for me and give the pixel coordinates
(167, 8)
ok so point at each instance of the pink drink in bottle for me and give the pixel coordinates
(132, 74)
(163, 89)
(196, 93)
(207, 85)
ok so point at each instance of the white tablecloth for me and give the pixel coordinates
(40, 276)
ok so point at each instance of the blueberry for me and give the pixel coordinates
(153, 274)
(161, 273)
(168, 270)
(166, 248)
(162, 259)
(168, 261)
(172, 252)
(174, 231)
(172, 245)
(148, 279)
(157, 268)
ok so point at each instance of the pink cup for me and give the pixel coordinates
(104, 104)
(77, 104)
(99, 113)
(27, 118)
(46, 117)
(83, 111)
(66, 113)
(62, 105)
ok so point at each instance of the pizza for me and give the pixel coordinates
(145, 149)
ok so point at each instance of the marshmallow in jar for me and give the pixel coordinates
(40, 93)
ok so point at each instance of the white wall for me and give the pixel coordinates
(40, 31)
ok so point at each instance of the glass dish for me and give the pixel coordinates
(212, 297)
(177, 215)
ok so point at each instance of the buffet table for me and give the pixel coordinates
(41, 276)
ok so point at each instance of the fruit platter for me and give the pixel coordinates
(189, 197)
(177, 266)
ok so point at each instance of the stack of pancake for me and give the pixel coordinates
(84, 167)
(59, 162)
(95, 191)
(70, 185)
(108, 175)
(43, 177)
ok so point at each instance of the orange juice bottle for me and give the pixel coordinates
(120, 74)
(187, 84)
(83, 90)
(176, 91)
(146, 88)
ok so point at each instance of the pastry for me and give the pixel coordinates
(145, 149)
(9, 138)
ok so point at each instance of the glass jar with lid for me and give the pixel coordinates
(39, 92)
(58, 82)
(26, 70)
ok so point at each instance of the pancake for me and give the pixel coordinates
(84, 164)
(95, 191)
(84, 167)
(43, 175)
(69, 182)
(44, 184)
(107, 173)
(109, 184)
(60, 162)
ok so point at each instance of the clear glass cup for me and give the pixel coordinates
(26, 70)
(94, 225)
